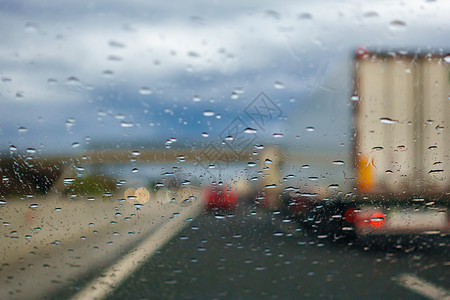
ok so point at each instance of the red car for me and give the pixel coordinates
(219, 197)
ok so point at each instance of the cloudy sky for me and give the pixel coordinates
(78, 72)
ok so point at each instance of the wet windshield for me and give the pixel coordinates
(203, 149)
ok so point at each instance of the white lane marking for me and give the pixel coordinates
(422, 287)
(109, 280)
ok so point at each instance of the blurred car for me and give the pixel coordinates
(220, 197)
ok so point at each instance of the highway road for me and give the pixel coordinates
(253, 253)
(48, 243)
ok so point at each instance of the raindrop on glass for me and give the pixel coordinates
(388, 121)
(278, 85)
(208, 113)
(126, 124)
(145, 91)
(22, 130)
(250, 130)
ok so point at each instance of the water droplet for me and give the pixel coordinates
(73, 81)
(196, 98)
(310, 129)
(397, 25)
(278, 85)
(34, 205)
(305, 167)
(116, 44)
(114, 58)
(370, 14)
(229, 138)
(388, 121)
(22, 130)
(333, 186)
(68, 181)
(205, 134)
(108, 73)
(31, 27)
(250, 130)
(338, 162)
(234, 96)
(305, 16)
(268, 161)
(57, 209)
(437, 171)
(138, 205)
(193, 54)
(355, 98)
(270, 186)
(101, 113)
(251, 164)
(134, 170)
(447, 59)
(20, 95)
(75, 145)
(12, 149)
(31, 151)
(277, 135)
(70, 122)
(125, 124)
(3, 202)
(432, 148)
(273, 14)
(145, 91)
(208, 113)
(308, 194)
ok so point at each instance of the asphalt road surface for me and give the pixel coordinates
(252, 253)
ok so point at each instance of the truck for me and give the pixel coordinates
(401, 149)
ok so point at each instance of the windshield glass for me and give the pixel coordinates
(224, 149)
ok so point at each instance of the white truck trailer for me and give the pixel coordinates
(401, 150)
(401, 142)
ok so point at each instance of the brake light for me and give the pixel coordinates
(376, 220)
(350, 215)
